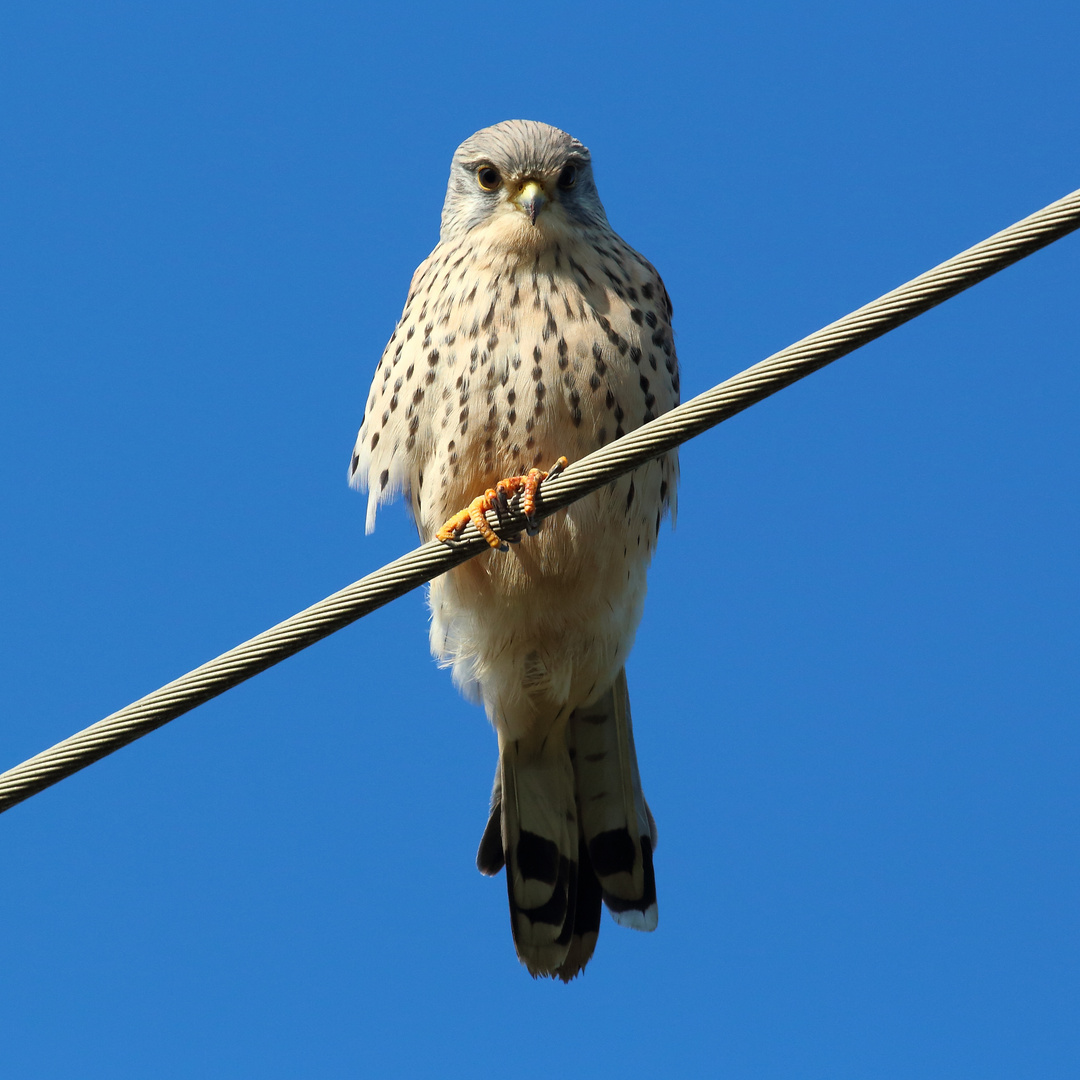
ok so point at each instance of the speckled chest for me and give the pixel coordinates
(499, 364)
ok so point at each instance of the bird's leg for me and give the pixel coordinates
(498, 499)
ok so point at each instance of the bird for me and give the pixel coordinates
(532, 334)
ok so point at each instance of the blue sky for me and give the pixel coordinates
(856, 684)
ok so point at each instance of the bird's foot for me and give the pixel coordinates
(531, 488)
(498, 499)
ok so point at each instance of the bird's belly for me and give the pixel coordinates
(539, 630)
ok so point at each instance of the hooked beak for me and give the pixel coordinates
(530, 199)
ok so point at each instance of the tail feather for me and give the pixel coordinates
(539, 835)
(572, 828)
(587, 909)
(582, 930)
(616, 822)
(489, 856)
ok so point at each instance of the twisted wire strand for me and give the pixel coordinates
(591, 472)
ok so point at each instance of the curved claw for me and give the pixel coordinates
(503, 495)
(531, 487)
(498, 499)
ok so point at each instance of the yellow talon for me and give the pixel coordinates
(528, 485)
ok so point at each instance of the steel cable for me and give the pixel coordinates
(597, 469)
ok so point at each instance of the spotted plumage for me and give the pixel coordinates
(534, 331)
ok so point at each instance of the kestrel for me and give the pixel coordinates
(534, 331)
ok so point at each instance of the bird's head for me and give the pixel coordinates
(527, 185)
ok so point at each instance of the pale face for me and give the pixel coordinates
(526, 186)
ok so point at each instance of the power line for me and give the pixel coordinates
(592, 472)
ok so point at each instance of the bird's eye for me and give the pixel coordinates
(568, 177)
(487, 176)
